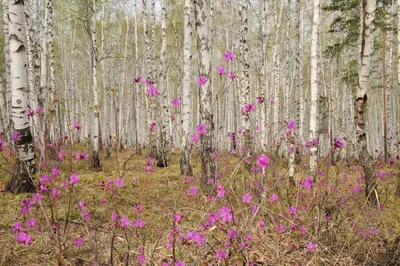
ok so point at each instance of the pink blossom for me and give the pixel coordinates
(229, 56)
(30, 112)
(125, 222)
(78, 241)
(232, 75)
(55, 192)
(119, 182)
(193, 191)
(194, 138)
(24, 238)
(149, 169)
(260, 99)
(307, 183)
(141, 259)
(17, 226)
(281, 229)
(221, 254)
(25, 206)
(225, 214)
(74, 179)
(220, 191)
(178, 217)
(139, 223)
(61, 155)
(176, 102)
(247, 198)
(311, 247)
(16, 136)
(291, 125)
(39, 110)
(201, 80)
(263, 161)
(152, 91)
(180, 263)
(201, 129)
(76, 125)
(261, 223)
(153, 126)
(248, 108)
(220, 70)
(274, 197)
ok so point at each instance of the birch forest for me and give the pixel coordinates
(200, 132)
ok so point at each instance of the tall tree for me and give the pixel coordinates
(165, 145)
(314, 86)
(22, 179)
(208, 164)
(366, 50)
(186, 149)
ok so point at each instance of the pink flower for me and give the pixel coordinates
(152, 91)
(39, 110)
(248, 108)
(307, 183)
(274, 197)
(76, 125)
(263, 161)
(232, 75)
(119, 182)
(194, 138)
(225, 214)
(153, 126)
(338, 143)
(25, 206)
(220, 191)
(201, 129)
(261, 223)
(139, 223)
(78, 241)
(30, 112)
(24, 238)
(178, 217)
(247, 198)
(291, 125)
(180, 263)
(149, 81)
(16, 136)
(201, 80)
(229, 56)
(74, 179)
(141, 259)
(220, 70)
(55, 171)
(311, 247)
(176, 102)
(221, 254)
(17, 226)
(125, 222)
(193, 191)
(281, 229)
(260, 99)
(55, 192)
(61, 155)
(149, 169)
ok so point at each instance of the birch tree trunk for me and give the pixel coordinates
(314, 87)
(389, 63)
(186, 149)
(208, 165)
(165, 145)
(245, 81)
(22, 178)
(95, 124)
(276, 63)
(7, 93)
(367, 25)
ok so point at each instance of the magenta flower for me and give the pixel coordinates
(201, 129)
(153, 126)
(176, 102)
(37, 198)
(220, 70)
(193, 191)
(194, 138)
(152, 91)
(78, 242)
(247, 198)
(232, 75)
(24, 238)
(225, 214)
(307, 183)
(201, 80)
(178, 217)
(55, 171)
(16, 136)
(74, 179)
(274, 197)
(338, 143)
(149, 81)
(311, 247)
(229, 56)
(220, 191)
(17, 226)
(248, 108)
(76, 125)
(291, 125)
(30, 112)
(25, 206)
(61, 155)
(125, 222)
(139, 223)
(39, 110)
(281, 229)
(263, 161)
(138, 79)
(149, 169)
(261, 223)
(180, 263)
(260, 99)
(141, 259)
(55, 192)
(119, 182)
(221, 254)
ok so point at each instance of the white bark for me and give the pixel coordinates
(314, 86)
(19, 81)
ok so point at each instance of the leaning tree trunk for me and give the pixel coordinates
(165, 145)
(7, 93)
(186, 149)
(367, 25)
(208, 164)
(26, 166)
(95, 124)
(314, 87)
(245, 81)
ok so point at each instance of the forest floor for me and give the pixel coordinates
(349, 233)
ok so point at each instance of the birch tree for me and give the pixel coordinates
(165, 147)
(26, 166)
(208, 164)
(245, 81)
(366, 50)
(186, 149)
(314, 87)
(95, 123)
